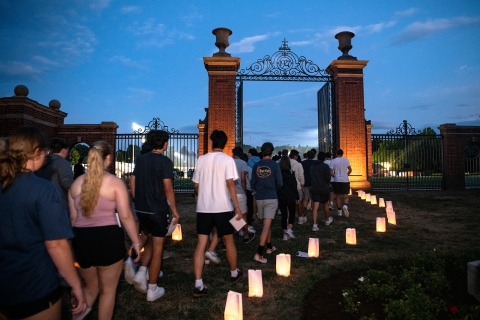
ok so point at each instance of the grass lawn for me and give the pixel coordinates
(445, 221)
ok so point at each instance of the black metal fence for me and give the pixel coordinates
(405, 159)
(182, 150)
(472, 167)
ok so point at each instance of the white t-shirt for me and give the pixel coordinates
(328, 162)
(340, 169)
(241, 167)
(211, 172)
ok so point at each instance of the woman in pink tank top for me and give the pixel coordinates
(94, 198)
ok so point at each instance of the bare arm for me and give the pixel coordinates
(132, 185)
(59, 251)
(73, 210)
(232, 190)
(349, 170)
(244, 183)
(170, 194)
(332, 173)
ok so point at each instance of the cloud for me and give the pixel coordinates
(407, 13)
(139, 96)
(130, 9)
(274, 100)
(17, 68)
(46, 61)
(156, 34)
(246, 44)
(421, 107)
(274, 14)
(148, 27)
(418, 30)
(99, 5)
(378, 27)
(190, 18)
(383, 125)
(188, 129)
(127, 62)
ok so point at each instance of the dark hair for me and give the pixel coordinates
(285, 164)
(314, 151)
(253, 151)
(157, 138)
(293, 153)
(339, 152)
(305, 155)
(219, 139)
(267, 149)
(328, 155)
(237, 151)
(25, 144)
(80, 160)
(284, 152)
(310, 155)
(244, 157)
(275, 158)
(321, 156)
(57, 144)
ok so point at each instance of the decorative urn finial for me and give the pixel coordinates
(21, 91)
(345, 44)
(222, 41)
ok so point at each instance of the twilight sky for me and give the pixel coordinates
(131, 61)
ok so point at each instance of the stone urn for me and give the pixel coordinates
(345, 44)
(221, 42)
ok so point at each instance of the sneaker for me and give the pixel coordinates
(339, 213)
(212, 256)
(251, 229)
(129, 270)
(167, 254)
(200, 293)
(279, 213)
(240, 233)
(285, 237)
(328, 221)
(315, 227)
(140, 282)
(238, 277)
(207, 261)
(250, 238)
(271, 250)
(302, 220)
(258, 259)
(154, 295)
(290, 233)
(345, 210)
(330, 205)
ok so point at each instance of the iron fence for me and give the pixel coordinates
(405, 159)
(472, 167)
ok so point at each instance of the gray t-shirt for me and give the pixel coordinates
(241, 167)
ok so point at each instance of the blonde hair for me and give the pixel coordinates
(23, 145)
(94, 176)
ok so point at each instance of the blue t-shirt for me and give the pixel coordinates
(266, 179)
(31, 211)
(150, 171)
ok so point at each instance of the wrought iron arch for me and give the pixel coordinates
(155, 124)
(404, 129)
(285, 65)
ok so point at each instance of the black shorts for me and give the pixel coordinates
(155, 224)
(29, 309)
(98, 246)
(341, 187)
(206, 222)
(320, 197)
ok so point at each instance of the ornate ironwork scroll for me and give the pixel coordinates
(155, 124)
(284, 65)
(404, 129)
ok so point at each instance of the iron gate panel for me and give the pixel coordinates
(326, 137)
(405, 159)
(472, 166)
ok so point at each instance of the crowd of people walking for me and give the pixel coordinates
(51, 218)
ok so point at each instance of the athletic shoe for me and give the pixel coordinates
(290, 233)
(140, 281)
(238, 277)
(129, 270)
(339, 213)
(207, 261)
(328, 221)
(251, 229)
(285, 237)
(200, 293)
(258, 259)
(240, 233)
(212, 256)
(250, 238)
(345, 210)
(270, 250)
(330, 205)
(315, 227)
(154, 295)
(302, 220)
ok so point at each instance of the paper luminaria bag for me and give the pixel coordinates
(381, 224)
(233, 307)
(177, 232)
(283, 265)
(255, 283)
(313, 248)
(351, 236)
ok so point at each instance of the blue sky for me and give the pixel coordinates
(131, 61)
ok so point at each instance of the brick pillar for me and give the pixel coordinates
(221, 97)
(202, 139)
(369, 126)
(350, 121)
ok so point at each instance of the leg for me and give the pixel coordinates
(107, 281)
(315, 211)
(199, 255)
(326, 209)
(231, 251)
(54, 312)
(156, 260)
(291, 218)
(283, 209)
(91, 289)
(345, 198)
(266, 234)
(214, 241)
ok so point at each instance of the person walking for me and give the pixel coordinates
(300, 176)
(94, 198)
(34, 229)
(340, 169)
(151, 187)
(217, 202)
(266, 181)
(320, 189)
(307, 164)
(288, 198)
